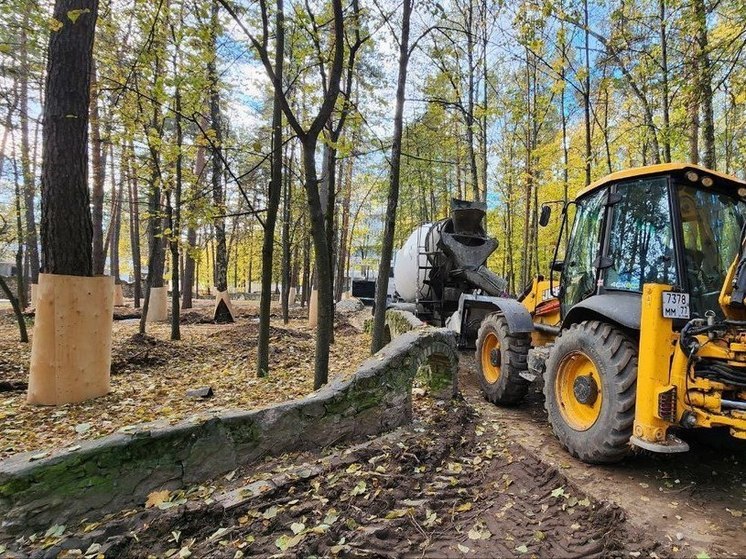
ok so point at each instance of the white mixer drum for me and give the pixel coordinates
(410, 259)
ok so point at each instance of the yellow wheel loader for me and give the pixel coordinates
(639, 331)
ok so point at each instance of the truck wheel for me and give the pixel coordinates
(589, 391)
(501, 358)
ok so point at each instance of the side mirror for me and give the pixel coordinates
(546, 212)
(558, 266)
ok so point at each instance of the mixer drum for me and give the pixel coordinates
(410, 270)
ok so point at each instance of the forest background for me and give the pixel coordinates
(199, 170)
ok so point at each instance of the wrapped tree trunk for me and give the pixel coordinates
(73, 308)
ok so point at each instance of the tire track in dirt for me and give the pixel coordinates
(691, 503)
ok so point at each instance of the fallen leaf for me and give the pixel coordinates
(157, 497)
(359, 489)
(396, 513)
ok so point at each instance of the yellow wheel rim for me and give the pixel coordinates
(578, 390)
(491, 358)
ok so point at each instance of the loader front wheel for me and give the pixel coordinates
(501, 358)
(589, 391)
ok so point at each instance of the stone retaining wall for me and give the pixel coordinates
(120, 470)
(399, 322)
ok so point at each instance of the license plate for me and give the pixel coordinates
(675, 305)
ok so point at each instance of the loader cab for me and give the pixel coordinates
(672, 224)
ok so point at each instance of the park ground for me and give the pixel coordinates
(466, 479)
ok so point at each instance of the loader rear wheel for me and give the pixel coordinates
(589, 391)
(501, 358)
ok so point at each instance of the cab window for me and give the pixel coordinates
(641, 237)
(579, 275)
(711, 224)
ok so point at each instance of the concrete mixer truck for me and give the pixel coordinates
(441, 275)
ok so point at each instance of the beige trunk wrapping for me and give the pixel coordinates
(313, 309)
(118, 295)
(34, 295)
(292, 294)
(225, 297)
(158, 305)
(71, 348)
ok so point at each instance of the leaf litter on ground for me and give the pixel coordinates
(151, 376)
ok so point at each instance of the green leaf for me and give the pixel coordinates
(73, 15)
(559, 492)
(522, 549)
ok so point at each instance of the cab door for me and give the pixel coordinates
(579, 273)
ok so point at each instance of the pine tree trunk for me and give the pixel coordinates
(66, 228)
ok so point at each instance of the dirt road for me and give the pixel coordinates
(692, 503)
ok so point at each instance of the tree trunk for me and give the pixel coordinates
(20, 277)
(190, 265)
(305, 290)
(273, 202)
(287, 200)
(16, 309)
(384, 266)
(29, 188)
(705, 85)
(134, 204)
(221, 252)
(587, 96)
(116, 222)
(98, 168)
(344, 229)
(156, 252)
(175, 218)
(664, 82)
(66, 228)
(323, 269)
(189, 268)
(469, 117)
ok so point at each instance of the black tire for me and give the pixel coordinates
(508, 388)
(614, 356)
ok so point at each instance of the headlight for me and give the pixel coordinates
(707, 181)
(692, 176)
